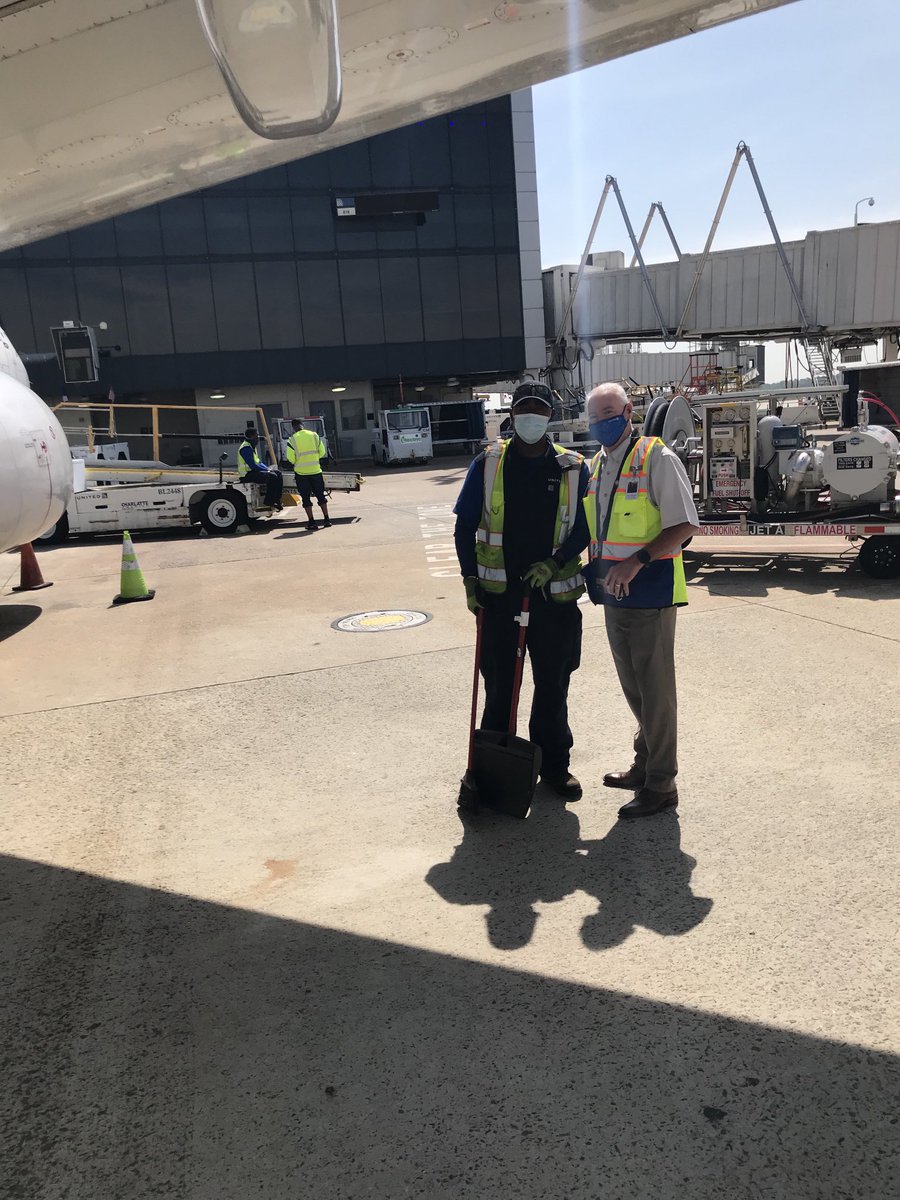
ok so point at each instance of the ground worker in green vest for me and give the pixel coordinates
(251, 469)
(306, 453)
(520, 521)
(640, 511)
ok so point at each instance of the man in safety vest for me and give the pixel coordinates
(252, 469)
(520, 521)
(640, 510)
(306, 453)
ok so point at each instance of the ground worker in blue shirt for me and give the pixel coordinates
(640, 509)
(520, 521)
(251, 469)
(306, 453)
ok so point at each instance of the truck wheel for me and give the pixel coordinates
(879, 557)
(223, 513)
(56, 533)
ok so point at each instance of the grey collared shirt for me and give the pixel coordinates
(667, 484)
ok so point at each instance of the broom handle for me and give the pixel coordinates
(479, 622)
(520, 661)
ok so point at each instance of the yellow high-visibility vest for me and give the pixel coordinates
(634, 522)
(304, 449)
(242, 467)
(566, 584)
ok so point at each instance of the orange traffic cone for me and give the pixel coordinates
(30, 577)
(132, 585)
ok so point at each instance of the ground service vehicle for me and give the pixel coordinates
(755, 475)
(402, 435)
(218, 506)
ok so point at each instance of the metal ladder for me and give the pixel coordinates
(821, 372)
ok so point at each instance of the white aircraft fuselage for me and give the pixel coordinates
(35, 460)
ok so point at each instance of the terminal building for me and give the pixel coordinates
(401, 269)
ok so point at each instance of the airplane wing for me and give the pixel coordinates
(110, 105)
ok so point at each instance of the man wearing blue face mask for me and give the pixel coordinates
(520, 521)
(640, 509)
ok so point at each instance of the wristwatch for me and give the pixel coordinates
(643, 556)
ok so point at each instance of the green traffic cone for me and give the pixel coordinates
(132, 585)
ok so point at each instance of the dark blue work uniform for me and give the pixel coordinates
(531, 501)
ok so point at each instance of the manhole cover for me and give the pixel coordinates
(381, 620)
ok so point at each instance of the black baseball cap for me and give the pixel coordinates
(533, 391)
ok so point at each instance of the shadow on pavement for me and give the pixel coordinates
(638, 874)
(745, 575)
(16, 617)
(157, 1045)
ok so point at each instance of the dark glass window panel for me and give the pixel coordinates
(350, 236)
(193, 314)
(313, 218)
(474, 220)
(440, 299)
(94, 241)
(100, 299)
(361, 301)
(320, 303)
(270, 225)
(183, 226)
(353, 415)
(15, 309)
(272, 179)
(469, 149)
(509, 282)
(138, 234)
(506, 220)
(439, 230)
(478, 290)
(396, 233)
(500, 149)
(429, 153)
(389, 154)
(236, 313)
(279, 305)
(53, 300)
(227, 225)
(147, 307)
(349, 167)
(401, 299)
(52, 247)
(310, 172)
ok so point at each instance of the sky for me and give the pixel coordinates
(812, 88)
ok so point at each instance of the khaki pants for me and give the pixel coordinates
(642, 641)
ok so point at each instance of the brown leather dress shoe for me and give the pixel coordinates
(647, 803)
(631, 779)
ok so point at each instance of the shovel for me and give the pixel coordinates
(503, 769)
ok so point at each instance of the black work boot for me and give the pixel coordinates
(563, 783)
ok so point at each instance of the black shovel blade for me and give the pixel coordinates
(505, 769)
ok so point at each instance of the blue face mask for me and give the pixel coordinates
(530, 427)
(608, 432)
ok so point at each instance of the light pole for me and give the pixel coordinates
(870, 200)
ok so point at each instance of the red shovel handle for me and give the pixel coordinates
(520, 660)
(479, 624)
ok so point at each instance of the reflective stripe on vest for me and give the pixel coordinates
(567, 583)
(307, 450)
(634, 522)
(242, 467)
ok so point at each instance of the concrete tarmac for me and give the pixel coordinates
(250, 949)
